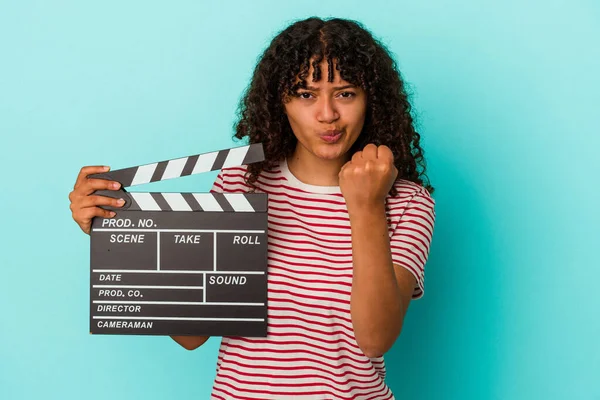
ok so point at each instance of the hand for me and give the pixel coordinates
(84, 205)
(367, 178)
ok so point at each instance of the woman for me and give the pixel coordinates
(350, 217)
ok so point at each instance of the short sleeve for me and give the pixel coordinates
(219, 183)
(411, 238)
(230, 180)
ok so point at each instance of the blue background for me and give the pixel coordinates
(506, 96)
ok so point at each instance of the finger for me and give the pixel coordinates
(85, 215)
(395, 173)
(90, 185)
(93, 169)
(93, 201)
(385, 153)
(344, 167)
(370, 152)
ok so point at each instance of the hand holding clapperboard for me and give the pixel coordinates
(181, 263)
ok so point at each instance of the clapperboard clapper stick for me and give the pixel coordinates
(181, 263)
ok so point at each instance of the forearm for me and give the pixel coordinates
(190, 342)
(376, 305)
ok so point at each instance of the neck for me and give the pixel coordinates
(315, 171)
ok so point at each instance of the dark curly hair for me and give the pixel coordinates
(362, 61)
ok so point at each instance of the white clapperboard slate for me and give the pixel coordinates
(181, 263)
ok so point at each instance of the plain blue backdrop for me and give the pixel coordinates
(506, 95)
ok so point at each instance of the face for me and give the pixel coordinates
(327, 117)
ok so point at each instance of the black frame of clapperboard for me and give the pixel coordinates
(236, 212)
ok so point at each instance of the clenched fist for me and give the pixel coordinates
(367, 178)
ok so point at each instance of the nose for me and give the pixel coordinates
(326, 110)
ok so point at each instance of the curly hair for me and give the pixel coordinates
(362, 61)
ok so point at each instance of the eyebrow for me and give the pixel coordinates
(335, 88)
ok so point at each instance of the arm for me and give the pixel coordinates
(381, 290)
(85, 206)
(190, 342)
(193, 342)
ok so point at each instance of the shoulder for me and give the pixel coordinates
(411, 195)
(407, 188)
(234, 180)
(231, 179)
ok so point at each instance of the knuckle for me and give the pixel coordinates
(101, 184)
(84, 185)
(101, 200)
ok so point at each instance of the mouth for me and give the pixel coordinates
(331, 136)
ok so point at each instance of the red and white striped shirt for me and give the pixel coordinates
(310, 351)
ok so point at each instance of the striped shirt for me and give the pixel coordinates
(310, 351)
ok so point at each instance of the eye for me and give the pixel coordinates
(303, 95)
(347, 95)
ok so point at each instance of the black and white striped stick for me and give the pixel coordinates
(236, 202)
(185, 166)
(191, 165)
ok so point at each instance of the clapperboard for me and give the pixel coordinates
(181, 263)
